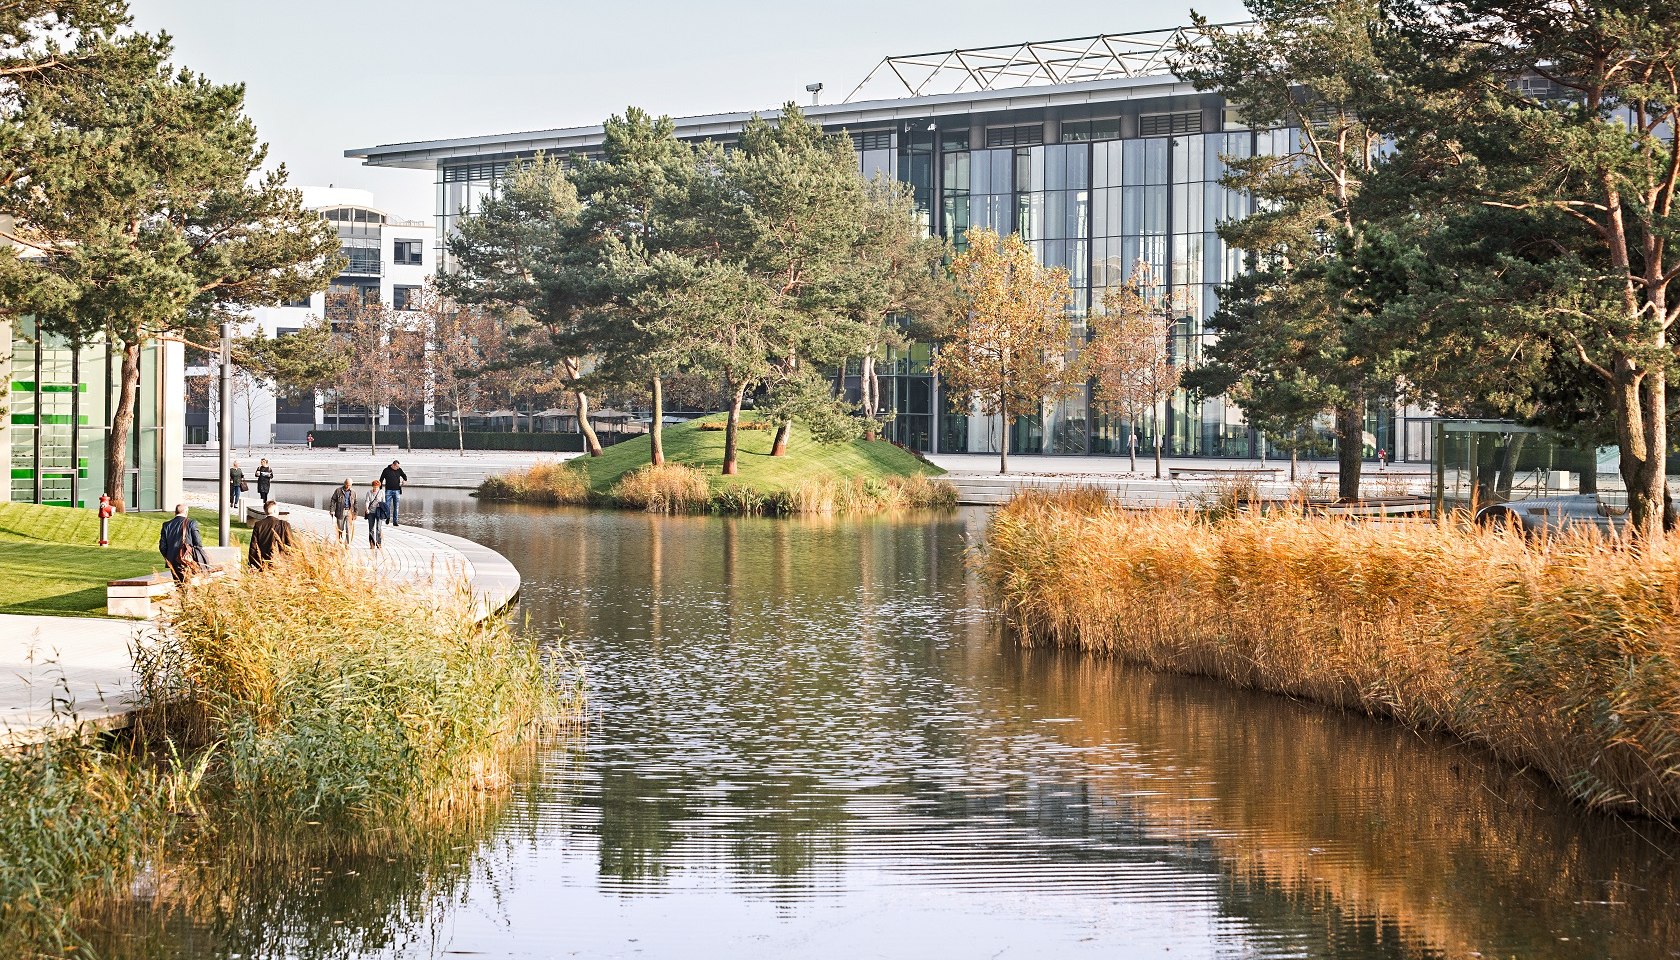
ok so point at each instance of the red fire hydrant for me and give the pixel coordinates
(105, 511)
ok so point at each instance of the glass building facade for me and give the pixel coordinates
(57, 408)
(1096, 177)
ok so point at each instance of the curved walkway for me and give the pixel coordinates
(72, 676)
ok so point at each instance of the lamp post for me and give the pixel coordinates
(224, 438)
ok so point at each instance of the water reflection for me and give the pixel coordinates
(807, 737)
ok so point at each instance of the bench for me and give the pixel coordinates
(1257, 472)
(134, 597)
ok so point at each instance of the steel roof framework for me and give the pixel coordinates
(1102, 57)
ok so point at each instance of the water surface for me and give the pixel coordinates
(808, 739)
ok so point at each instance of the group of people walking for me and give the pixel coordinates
(237, 484)
(380, 505)
(182, 545)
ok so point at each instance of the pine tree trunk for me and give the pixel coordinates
(732, 432)
(1294, 455)
(783, 432)
(1350, 449)
(656, 426)
(591, 442)
(122, 425)
(1642, 438)
(868, 400)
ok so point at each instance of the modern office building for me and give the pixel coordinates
(55, 420)
(1090, 148)
(389, 260)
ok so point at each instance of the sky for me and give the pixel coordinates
(323, 77)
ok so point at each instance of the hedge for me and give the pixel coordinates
(475, 440)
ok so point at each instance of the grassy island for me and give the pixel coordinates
(856, 476)
(1558, 654)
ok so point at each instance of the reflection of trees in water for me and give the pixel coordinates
(753, 667)
(301, 890)
(1325, 808)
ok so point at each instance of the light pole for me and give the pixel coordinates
(224, 438)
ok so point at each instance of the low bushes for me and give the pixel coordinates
(1560, 654)
(551, 483)
(666, 488)
(473, 439)
(680, 488)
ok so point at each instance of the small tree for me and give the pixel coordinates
(1006, 348)
(1129, 359)
(465, 343)
(363, 329)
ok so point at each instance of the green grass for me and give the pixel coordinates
(51, 564)
(806, 461)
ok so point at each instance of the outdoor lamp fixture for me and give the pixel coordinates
(815, 90)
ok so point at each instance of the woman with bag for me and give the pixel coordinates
(374, 509)
(236, 483)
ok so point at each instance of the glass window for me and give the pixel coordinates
(405, 298)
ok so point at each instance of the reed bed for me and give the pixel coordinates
(666, 488)
(1560, 654)
(322, 690)
(552, 482)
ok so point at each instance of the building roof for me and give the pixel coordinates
(1100, 69)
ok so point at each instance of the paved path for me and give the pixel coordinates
(445, 469)
(61, 674)
(64, 675)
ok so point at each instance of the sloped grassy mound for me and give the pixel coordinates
(858, 476)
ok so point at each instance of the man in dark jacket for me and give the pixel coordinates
(265, 478)
(391, 478)
(270, 537)
(181, 545)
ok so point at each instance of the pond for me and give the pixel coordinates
(808, 738)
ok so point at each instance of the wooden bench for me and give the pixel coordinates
(134, 597)
(1257, 472)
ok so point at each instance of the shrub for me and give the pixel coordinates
(667, 488)
(738, 499)
(552, 482)
(445, 439)
(1558, 653)
(328, 692)
(743, 424)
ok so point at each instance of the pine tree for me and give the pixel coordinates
(139, 190)
(1308, 65)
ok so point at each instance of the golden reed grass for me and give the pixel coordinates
(666, 488)
(1562, 654)
(552, 482)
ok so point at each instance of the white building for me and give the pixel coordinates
(386, 254)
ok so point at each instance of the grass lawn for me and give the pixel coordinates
(50, 562)
(806, 459)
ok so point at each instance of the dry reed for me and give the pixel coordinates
(666, 488)
(551, 482)
(1561, 654)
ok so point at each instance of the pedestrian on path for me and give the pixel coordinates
(344, 510)
(181, 546)
(265, 478)
(309, 440)
(374, 510)
(392, 478)
(236, 483)
(270, 537)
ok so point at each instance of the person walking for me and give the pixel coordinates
(309, 440)
(236, 483)
(181, 545)
(344, 510)
(374, 510)
(270, 537)
(392, 479)
(265, 479)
